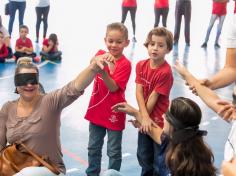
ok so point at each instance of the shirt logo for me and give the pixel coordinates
(113, 119)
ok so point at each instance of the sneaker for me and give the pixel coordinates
(217, 45)
(134, 40)
(37, 40)
(187, 44)
(204, 45)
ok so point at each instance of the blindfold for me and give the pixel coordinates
(183, 132)
(23, 79)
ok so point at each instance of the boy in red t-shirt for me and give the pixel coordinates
(3, 49)
(161, 8)
(129, 6)
(50, 48)
(154, 80)
(24, 46)
(218, 11)
(108, 89)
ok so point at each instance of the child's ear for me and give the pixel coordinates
(127, 42)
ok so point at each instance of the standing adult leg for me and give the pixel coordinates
(145, 154)
(178, 16)
(13, 8)
(124, 13)
(187, 19)
(21, 7)
(45, 20)
(211, 24)
(157, 13)
(39, 13)
(219, 29)
(165, 12)
(133, 15)
(96, 140)
(114, 149)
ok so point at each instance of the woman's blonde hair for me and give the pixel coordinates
(25, 62)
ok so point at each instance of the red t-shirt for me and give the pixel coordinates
(45, 43)
(161, 3)
(159, 80)
(24, 43)
(99, 110)
(129, 3)
(235, 7)
(3, 51)
(219, 8)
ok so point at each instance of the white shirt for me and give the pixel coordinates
(230, 146)
(43, 3)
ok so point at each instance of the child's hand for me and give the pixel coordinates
(135, 123)
(147, 124)
(98, 63)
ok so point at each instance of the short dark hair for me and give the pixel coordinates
(53, 37)
(23, 27)
(160, 31)
(118, 26)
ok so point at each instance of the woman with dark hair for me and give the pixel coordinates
(15, 5)
(42, 9)
(183, 150)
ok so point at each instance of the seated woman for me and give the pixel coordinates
(34, 118)
(50, 49)
(183, 151)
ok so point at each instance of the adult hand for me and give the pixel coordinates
(228, 110)
(125, 108)
(228, 168)
(135, 123)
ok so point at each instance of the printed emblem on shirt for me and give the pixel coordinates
(113, 119)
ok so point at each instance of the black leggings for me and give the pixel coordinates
(158, 12)
(42, 15)
(132, 14)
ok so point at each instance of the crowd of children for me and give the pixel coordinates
(169, 139)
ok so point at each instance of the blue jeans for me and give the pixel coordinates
(36, 171)
(219, 27)
(13, 7)
(147, 154)
(96, 140)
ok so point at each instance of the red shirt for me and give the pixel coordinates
(99, 111)
(235, 7)
(219, 8)
(45, 43)
(3, 51)
(159, 80)
(24, 43)
(129, 3)
(161, 4)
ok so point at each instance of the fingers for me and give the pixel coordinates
(119, 106)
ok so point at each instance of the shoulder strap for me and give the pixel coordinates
(52, 168)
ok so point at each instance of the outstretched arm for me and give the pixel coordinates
(87, 75)
(206, 94)
(227, 75)
(155, 132)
